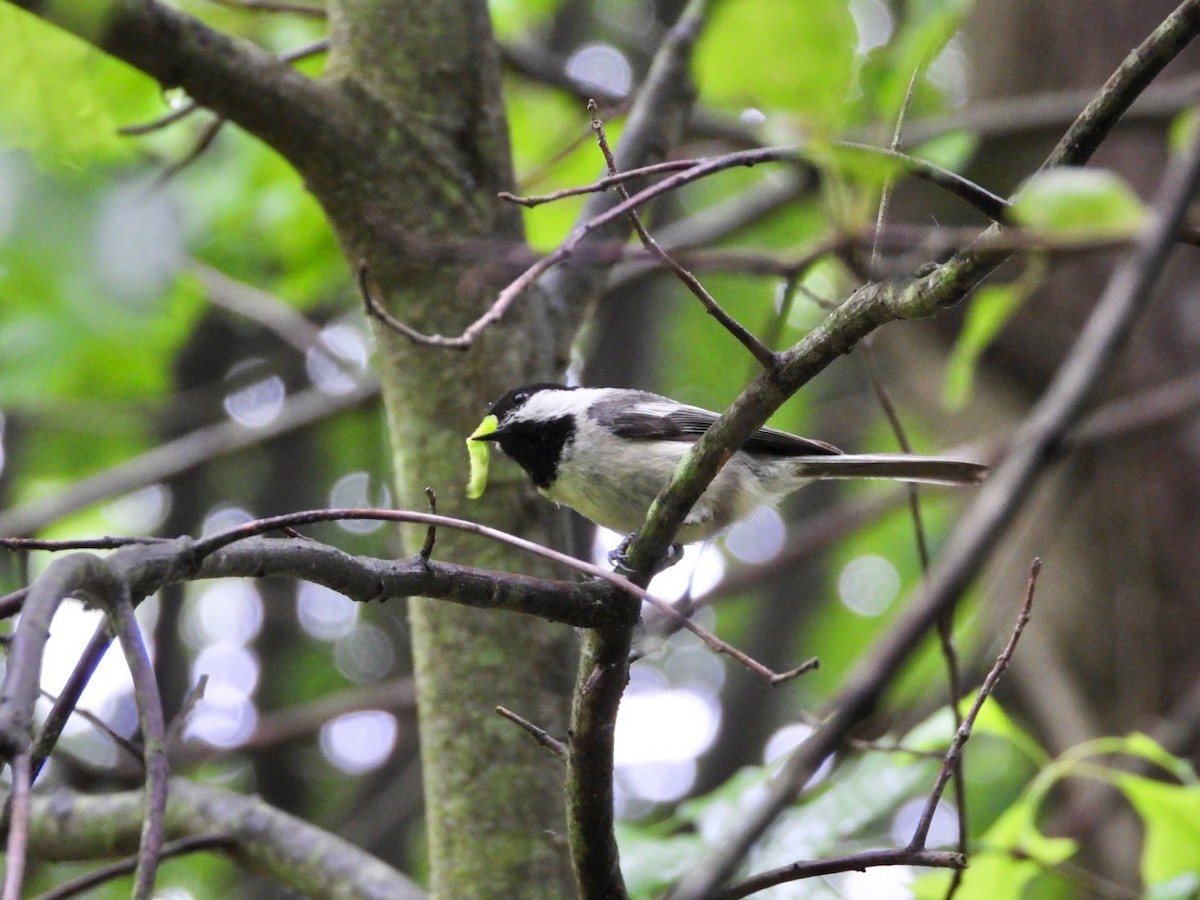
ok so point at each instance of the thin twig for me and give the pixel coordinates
(990, 204)
(765, 356)
(181, 847)
(208, 134)
(375, 308)
(999, 499)
(10, 604)
(509, 295)
(950, 765)
(68, 697)
(130, 747)
(431, 531)
(600, 184)
(275, 6)
(19, 544)
(945, 624)
(543, 737)
(178, 724)
(154, 735)
(262, 308)
(703, 168)
(208, 545)
(1125, 85)
(856, 862)
(18, 829)
(180, 112)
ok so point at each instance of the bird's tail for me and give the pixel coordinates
(896, 467)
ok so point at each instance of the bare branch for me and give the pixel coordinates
(260, 838)
(131, 748)
(604, 219)
(950, 765)
(553, 744)
(856, 862)
(258, 306)
(764, 355)
(426, 550)
(656, 121)
(1033, 446)
(612, 179)
(207, 135)
(1125, 85)
(276, 6)
(203, 547)
(171, 849)
(118, 604)
(178, 114)
(870, 307)
(68, 698)
(180, 455)
(18, 828)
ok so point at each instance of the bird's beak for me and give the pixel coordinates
(488, 430)
(481, 455)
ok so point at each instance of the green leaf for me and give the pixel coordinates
(552, 149)
(63, 100)
(516, 19)
(874, 169)
(952, 150)
(1182, 131)
(1014, 852)
(1079, 203)
(780, 55)
(992, 307)
(993, 720)
(1185, 886)
(651, 862)
(1139, 744)
(1170, 814)
(924, 33)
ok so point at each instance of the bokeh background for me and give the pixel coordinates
(182, 349)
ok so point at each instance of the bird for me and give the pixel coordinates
(608, 452)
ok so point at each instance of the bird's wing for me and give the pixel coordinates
(653, 418)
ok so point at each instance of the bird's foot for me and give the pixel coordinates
(620, 564)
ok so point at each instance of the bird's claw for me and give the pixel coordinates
(618, 560)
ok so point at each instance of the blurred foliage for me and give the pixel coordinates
(796, 59)
(69, 120)
(1016, 858)
(1079, 203)
(100, 307)
(852, 808)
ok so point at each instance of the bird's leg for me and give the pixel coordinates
(616, 558)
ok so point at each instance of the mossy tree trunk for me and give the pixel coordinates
(435, 238)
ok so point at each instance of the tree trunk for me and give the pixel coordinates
(493, 797)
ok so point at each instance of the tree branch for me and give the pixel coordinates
(118, 605)
(655, 123)
(878, 303)
(1034, 444)
(178, 456)
(71, 826)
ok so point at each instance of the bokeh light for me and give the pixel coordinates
(324, 613)
(359, 741)
(602, 66)
(868, 585)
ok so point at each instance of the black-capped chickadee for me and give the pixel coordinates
(608, 452)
